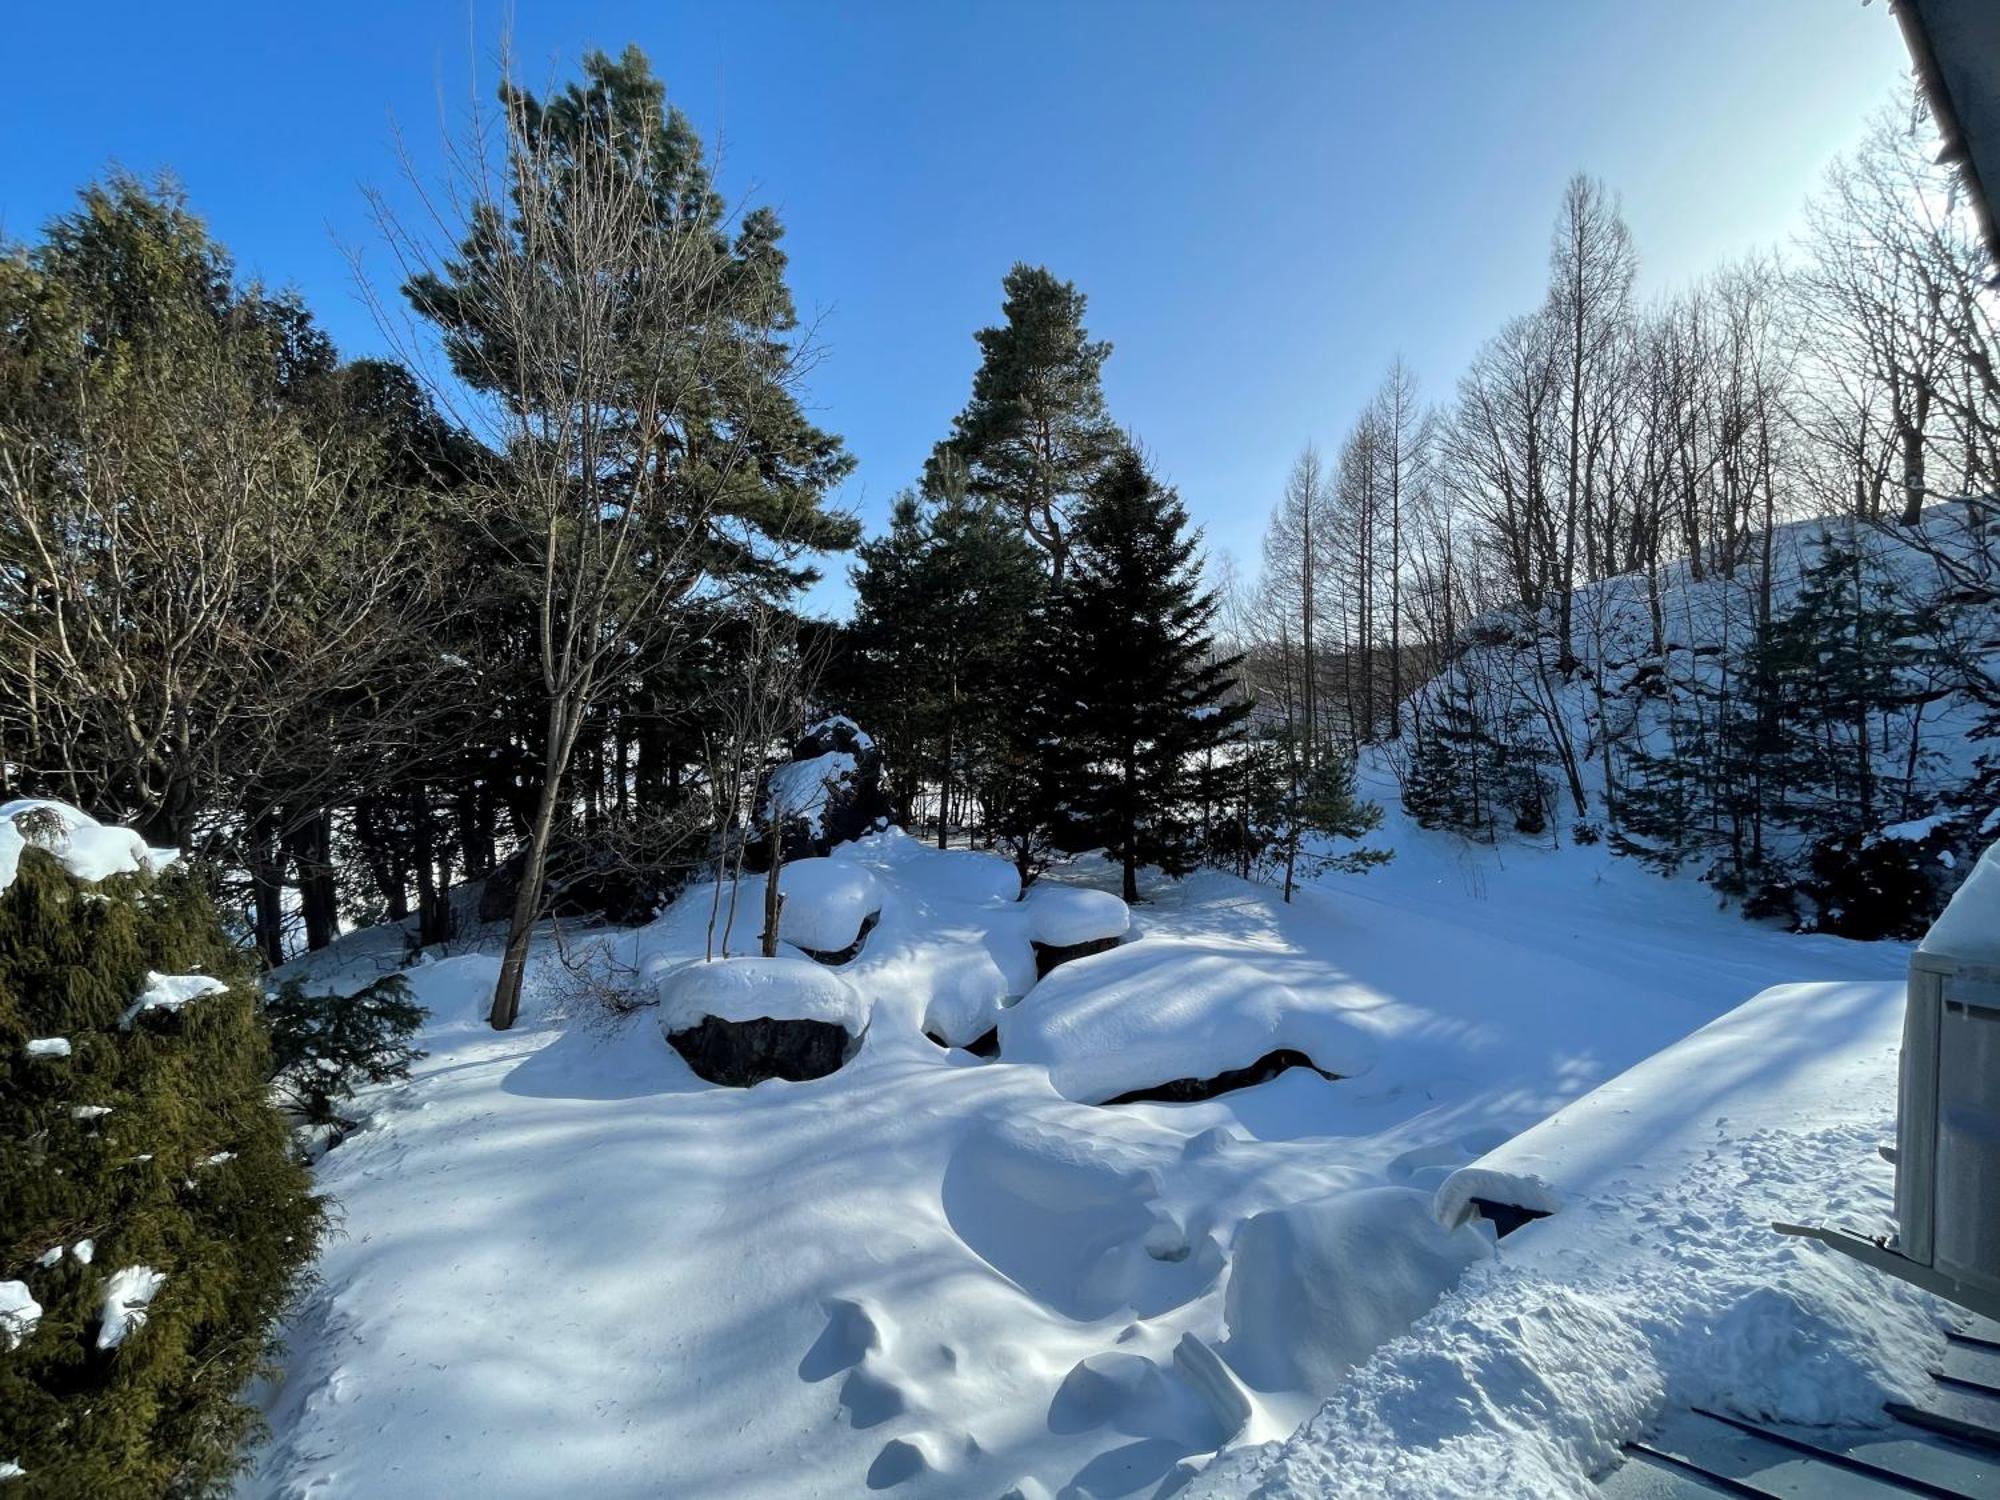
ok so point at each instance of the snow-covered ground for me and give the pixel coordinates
(567, 1265)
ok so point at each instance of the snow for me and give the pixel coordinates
(127, 1296)
(84, 1250)
(569, 1264)
(1063, 916)
(170, 992)
(1316, 1288)
(825, 903)
(1172, 1007)
(749, 989)
(799, 788)
(19, 1312)
(89, 1111)
(48, 1046)
(11, 1470)
(1660, 1283)
(1969, 927)
(86, 848)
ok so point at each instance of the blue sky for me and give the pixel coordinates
(1264, 201)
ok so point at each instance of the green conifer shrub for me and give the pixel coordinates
(154, 1139)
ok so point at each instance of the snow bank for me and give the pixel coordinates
(170, 992)
(1154, 1012)
(1969, 927)
(85, 847)
(750, 989)
(1061, 916)
(19, 1312)
(826, 902)
(127, 1296)
(1453, 1204)
(1317, 1288)
(48, 1046)
(1660, 1284)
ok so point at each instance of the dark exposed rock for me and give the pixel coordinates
(1505, 1217)
(852, 950)
(739, 1054)
(1193, 1090)
(845, 800)
(1049, 956)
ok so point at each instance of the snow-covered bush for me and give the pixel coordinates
(150, 1211)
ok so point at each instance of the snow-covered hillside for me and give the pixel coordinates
(569, 1265)
(1662, 705)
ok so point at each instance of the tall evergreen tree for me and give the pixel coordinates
(1137, 689)
(1035, 434)
(942, 605)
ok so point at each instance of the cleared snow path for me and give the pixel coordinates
(569, 1266)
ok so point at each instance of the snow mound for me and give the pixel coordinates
(1159, 1011)
(48, 1046)
(86, 848)
(968, 989)
(170, 992)
(1969, 927)
(19, 1312)
(127, 1297)
(752, 989)
(826, 903)
(1315, 1289)
(1062, 916)
(970, 876)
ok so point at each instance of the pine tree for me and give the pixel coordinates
(1137, 692)
(1035, 434)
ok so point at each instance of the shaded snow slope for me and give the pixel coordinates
(568, 1265)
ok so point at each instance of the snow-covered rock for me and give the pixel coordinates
(128, 1296)
(830, 792)
(88, 849)
(1063, 916)
(19, 1312)
(826, 903)
(1316, 1288)
(744, 1021)
(1155, 1012)
(170, 992)
(970, 876)
(754, 989)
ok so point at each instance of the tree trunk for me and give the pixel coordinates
(528, 899)
(774, 899)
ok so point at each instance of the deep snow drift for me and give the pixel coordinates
(568, 1265)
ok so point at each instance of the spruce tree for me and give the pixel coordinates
(1136, 692)
(1035, 434)
(943, 603)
